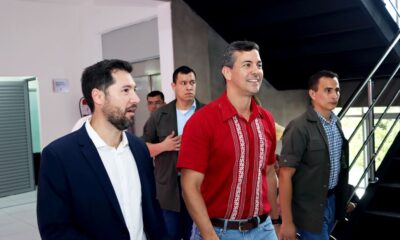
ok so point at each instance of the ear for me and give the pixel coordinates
(311, 93)
(173, 85)
(98, 96)
(226, 72)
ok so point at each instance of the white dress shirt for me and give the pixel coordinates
(123, 173)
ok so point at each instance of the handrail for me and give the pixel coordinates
(375, 101)
(350, 102)
(373, 158)
(373, 130)
(394, 8)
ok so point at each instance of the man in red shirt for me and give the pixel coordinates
(227, 156)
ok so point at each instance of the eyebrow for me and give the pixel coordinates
(249, 61)
(330, 88)
(129, 85)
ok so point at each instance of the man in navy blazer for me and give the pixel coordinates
(97, 182)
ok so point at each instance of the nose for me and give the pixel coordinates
(256, 70)
(189, 86)
(336, 94)
(134, 98)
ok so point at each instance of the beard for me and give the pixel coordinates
(117, 117)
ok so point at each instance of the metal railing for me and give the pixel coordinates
(394, 6)
(373, 126)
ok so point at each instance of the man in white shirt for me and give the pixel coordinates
(97, 182)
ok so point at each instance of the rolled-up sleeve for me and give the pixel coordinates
(294, 144)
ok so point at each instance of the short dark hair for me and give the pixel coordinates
(99, 76)
(184, 70)
(238, 46)
(156, 93)
(314, 79)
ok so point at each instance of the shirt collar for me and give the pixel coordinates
(98, 141)
(193, 107)
(228, 110)
(333, 118)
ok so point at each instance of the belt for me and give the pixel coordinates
(241, 225)
(331, 192)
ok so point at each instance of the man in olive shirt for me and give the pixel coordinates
(314, 165)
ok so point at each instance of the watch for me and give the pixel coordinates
(277, 220)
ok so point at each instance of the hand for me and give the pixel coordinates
(351, 207)
(172, 142)
(287, 232)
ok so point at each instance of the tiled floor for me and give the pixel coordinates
(18, 217)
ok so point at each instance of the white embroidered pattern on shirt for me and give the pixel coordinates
(234, 169)
(238, 189)
(261, 158)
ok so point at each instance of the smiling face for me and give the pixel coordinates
(245, 76)
(121, 100)
(326, 96)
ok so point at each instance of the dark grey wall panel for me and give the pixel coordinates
(16, 168)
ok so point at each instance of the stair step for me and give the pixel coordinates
(373, 223)
(389, 185)
(394, 215)
(392, 172)
(386, 198)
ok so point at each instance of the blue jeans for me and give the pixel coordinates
(179, 224)
(327, 225)
(264, 231)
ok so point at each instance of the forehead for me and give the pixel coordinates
(252, 55)
(185, 77)
(154, 98)
(122, 77)
(327, 82)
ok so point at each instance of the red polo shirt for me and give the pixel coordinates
(233, 154)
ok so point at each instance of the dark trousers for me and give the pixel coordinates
(179, 224)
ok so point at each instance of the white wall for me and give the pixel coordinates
(166, 50)
(49, 41)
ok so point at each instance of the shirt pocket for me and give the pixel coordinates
(317, 145)
(317, 151)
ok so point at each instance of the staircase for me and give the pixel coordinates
(301, 37)
(381, 208)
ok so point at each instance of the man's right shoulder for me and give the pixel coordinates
(64, 141)
(209, 110)
(163, 109)
(299, 121)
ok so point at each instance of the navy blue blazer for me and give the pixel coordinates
(76, 199)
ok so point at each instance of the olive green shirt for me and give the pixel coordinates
(305, 147)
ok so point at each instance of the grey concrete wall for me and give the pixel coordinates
(284, 105)
(199, 47)
(216, 46)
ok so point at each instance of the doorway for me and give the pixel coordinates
(147, 77)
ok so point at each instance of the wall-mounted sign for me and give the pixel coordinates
(60, 85)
